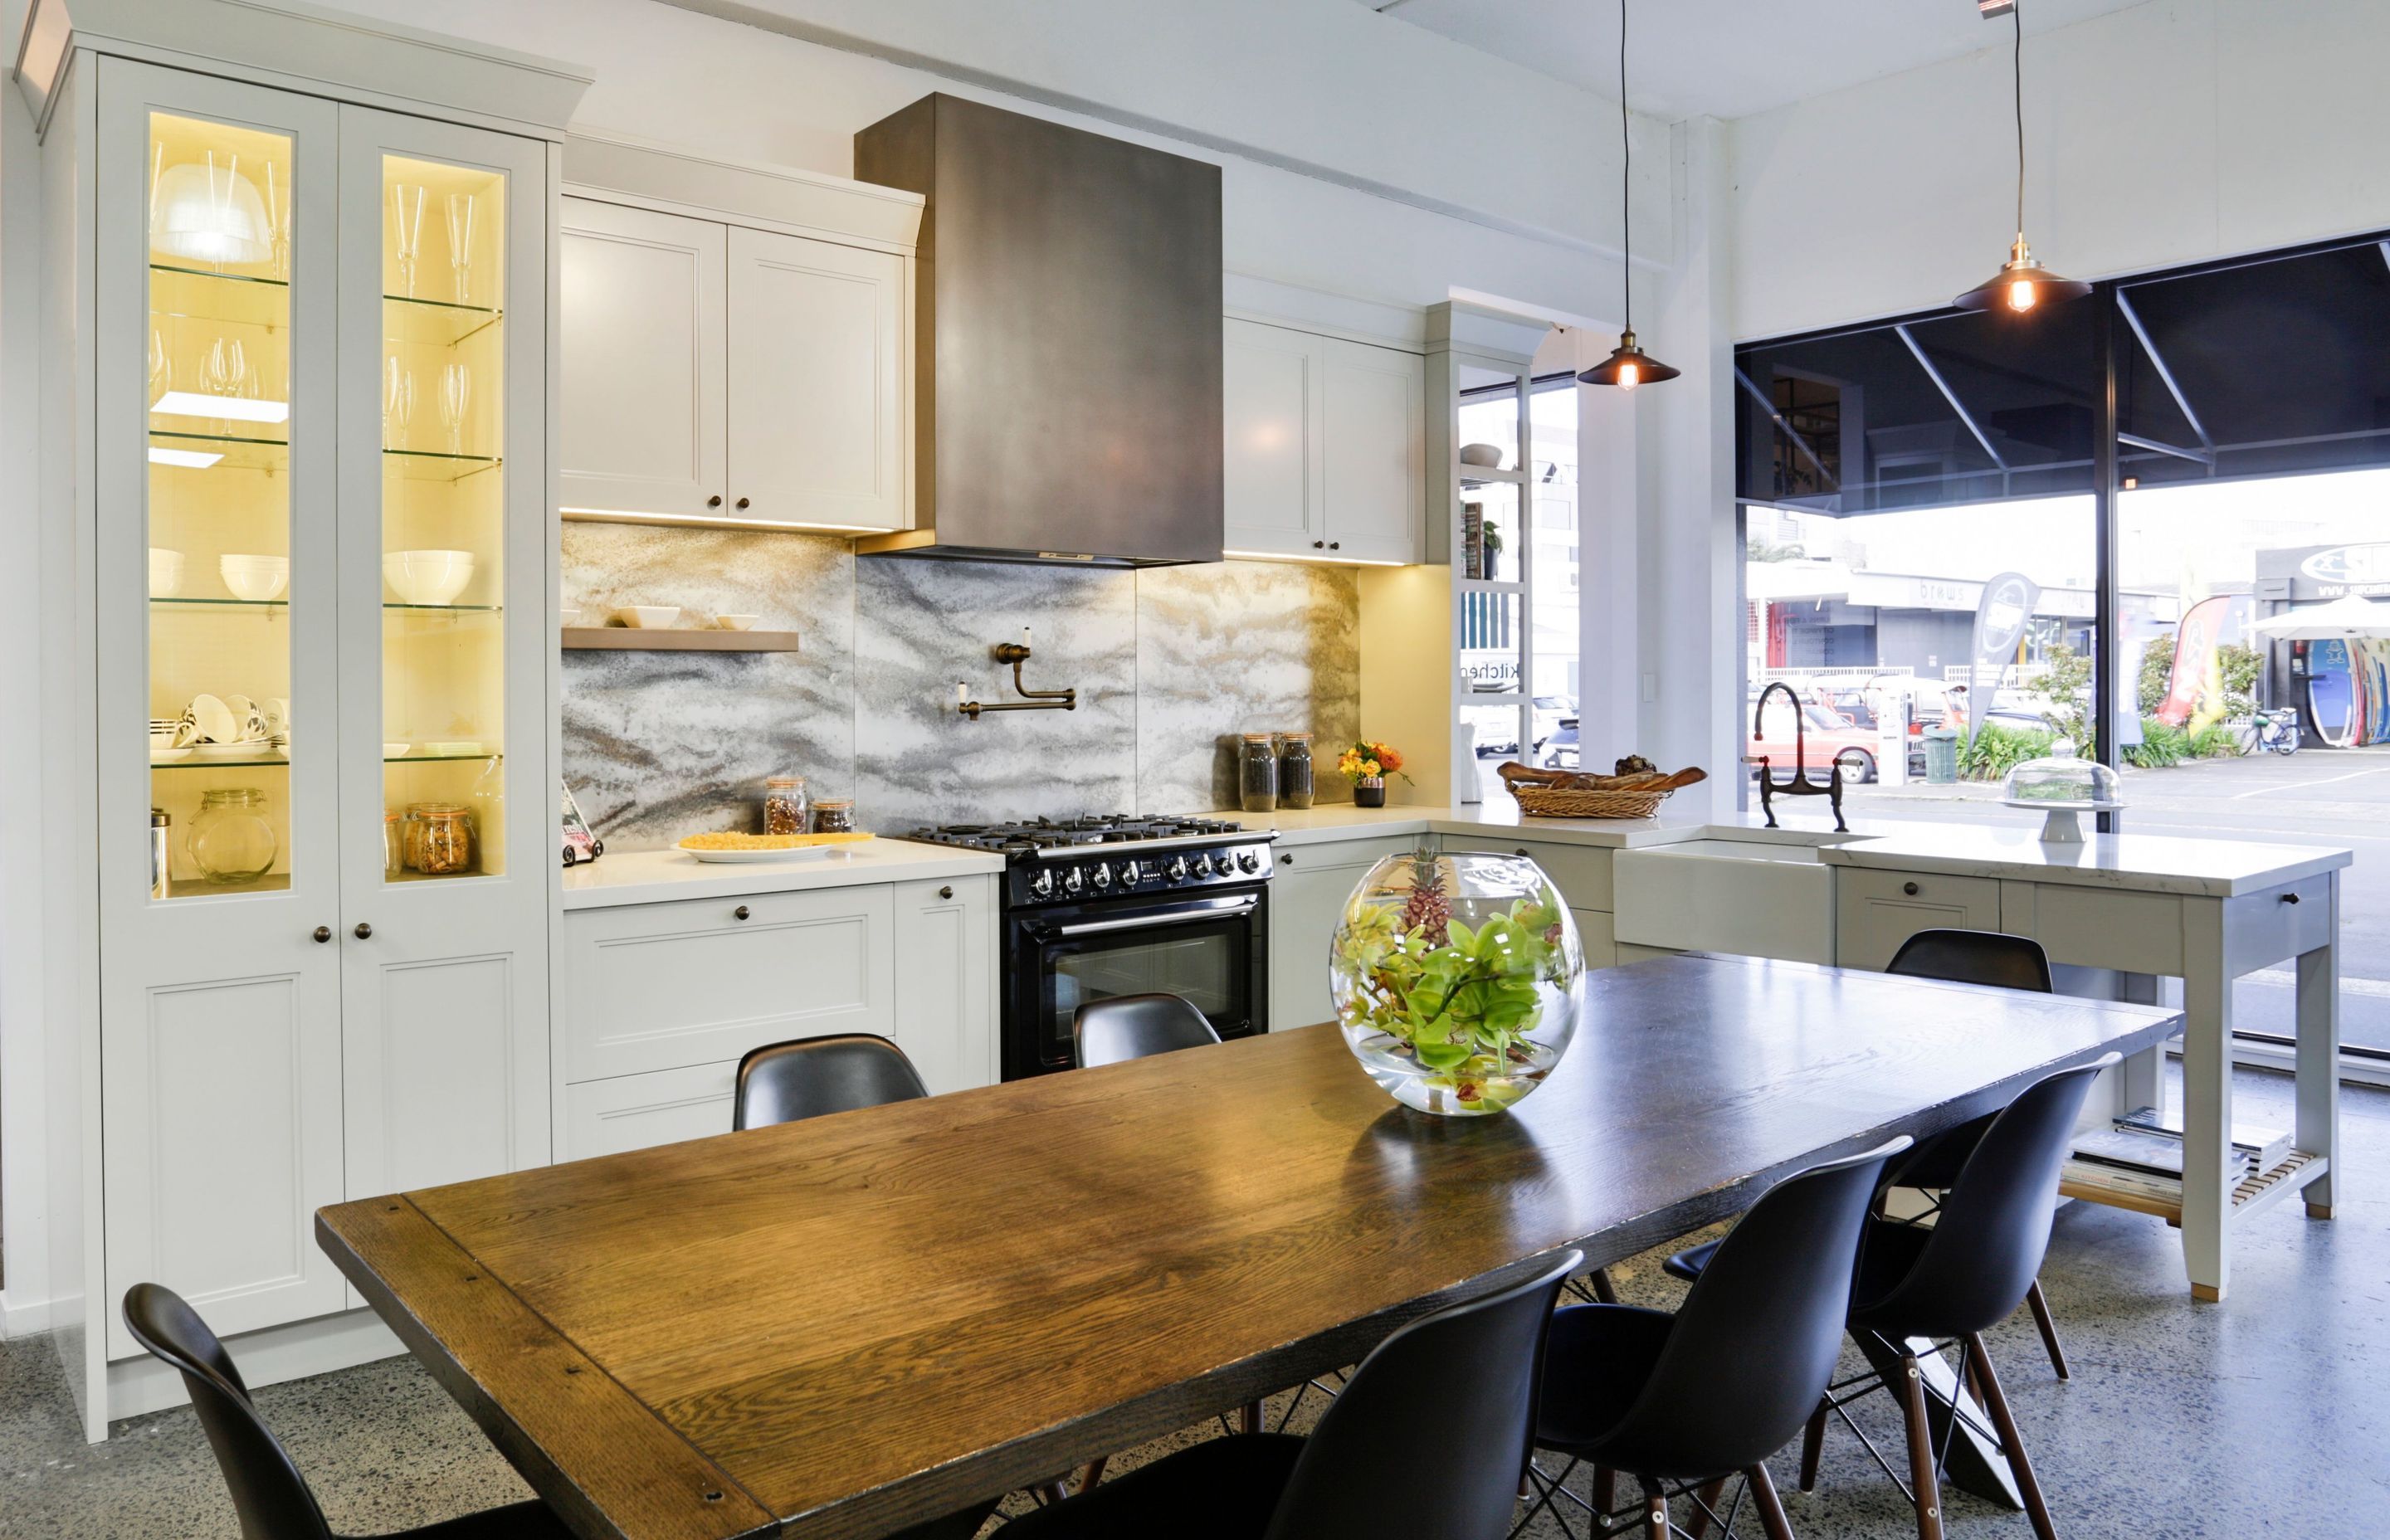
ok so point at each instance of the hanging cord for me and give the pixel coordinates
(2017, 14)
(1627, 176)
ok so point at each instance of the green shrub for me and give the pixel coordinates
(2161, 746)
(2216, 741)
(1988, 754)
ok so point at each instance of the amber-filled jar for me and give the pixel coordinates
(446, 841)
(834, 815)
(784, 805)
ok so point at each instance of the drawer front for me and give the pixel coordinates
(1581, 872)
(1875, 911)
(1359, 854)
(2261, 930)
(2098, 926)
(607, 1117)
(663, 986)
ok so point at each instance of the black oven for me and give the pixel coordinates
(1207, 946)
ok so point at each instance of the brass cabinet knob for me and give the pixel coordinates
(1318, 545)
(742, 503)
(1910, 887)
(323, 933)
(365, 932)
(946, 892)
(1336, 545)
(739, 913)
(714, 501)
(1286, 860)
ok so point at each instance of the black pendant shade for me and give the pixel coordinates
(2022, 285)
(1628, 366)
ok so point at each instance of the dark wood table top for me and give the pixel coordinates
(840, 1326)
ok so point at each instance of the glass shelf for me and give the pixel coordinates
(225, 278)
(440, 759)
(277, 761)
(425, 464)
(197, 887)
(238, 451)
(435, 323)
(448, 609)
(177, 603)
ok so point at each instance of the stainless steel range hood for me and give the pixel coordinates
(1067, 340)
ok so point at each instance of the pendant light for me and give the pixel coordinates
(2023, 284)
(1627, 365)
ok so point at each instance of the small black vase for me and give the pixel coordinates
(1366, 795)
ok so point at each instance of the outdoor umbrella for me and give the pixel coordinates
(2349, 615)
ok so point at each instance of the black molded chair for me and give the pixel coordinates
(1682, 1403)
(272, 1499)
(1953, 1281)
(1136, 1026)
(1462, 1382)
(788, 1082)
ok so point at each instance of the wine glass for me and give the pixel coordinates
(455, 396)
(162, 368)
(460, 244)
(397, 401)
(278, 224)
(224, 372)
(407, 217)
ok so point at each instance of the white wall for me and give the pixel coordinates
(2167, 132)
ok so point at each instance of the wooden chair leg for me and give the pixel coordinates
(1050, 1491)
(1095, 1472)
(1605, 1492)
(1655, 1515)
(1922, 1478)
(1772, 1522)
(1813, 1443)
(1997, 1403)
(2040, 1306)
(1251, 1418)
(1603, 1292)
(1705, 1502)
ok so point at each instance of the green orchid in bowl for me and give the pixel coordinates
(1458, 979)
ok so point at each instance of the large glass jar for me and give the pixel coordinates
(232, 839)
(1257, 774)
(445, 842)
(1458, 979)
(834, 815)
(1294, 784)
(784, 805)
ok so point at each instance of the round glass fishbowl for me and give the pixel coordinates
(2061, 785)
(1458, 979)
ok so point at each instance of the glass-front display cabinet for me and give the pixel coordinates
(320, 585)
(1492, 556)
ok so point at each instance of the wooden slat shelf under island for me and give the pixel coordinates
(632, 638)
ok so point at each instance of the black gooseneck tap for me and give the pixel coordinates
(1800, 785)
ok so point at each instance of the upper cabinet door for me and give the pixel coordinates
(1376, 451)
(817, 383)
(1271, 384)
(447, 798)
(214, 558)
(643, 329)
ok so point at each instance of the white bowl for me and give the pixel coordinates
(734, 622)
(160, 738)
(395, 751)
(1487, 454)
(254, 577)
(462, 747)
(647, 617)
(165, 572)
(426, 577)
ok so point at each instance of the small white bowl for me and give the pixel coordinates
(395, 751)
(453, 748)
(647, 617)
(734, 622)
(165, 572)
(1486, 455)
(255, 579)
(426, 577)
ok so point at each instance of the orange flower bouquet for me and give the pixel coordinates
(1367, 764)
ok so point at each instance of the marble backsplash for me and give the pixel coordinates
(1170, 664)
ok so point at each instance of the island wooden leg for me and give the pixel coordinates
(2206, 1099)
(2318, 1128)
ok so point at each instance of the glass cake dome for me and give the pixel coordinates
(2062, 785)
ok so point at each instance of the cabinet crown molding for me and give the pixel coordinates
(298, 47)
(675, 179)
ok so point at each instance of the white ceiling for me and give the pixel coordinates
(1728, 59)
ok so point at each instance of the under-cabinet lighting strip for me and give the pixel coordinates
(709, 521)
(1322, 560)
(191, 460)
(193, 403)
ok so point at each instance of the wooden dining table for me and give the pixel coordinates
(846, 1326)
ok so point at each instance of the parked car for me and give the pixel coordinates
(1828, 737)
(1560, 748)
(1550, 711)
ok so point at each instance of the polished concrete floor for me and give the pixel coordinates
(2269, 1415)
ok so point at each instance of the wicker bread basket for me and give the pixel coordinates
(1560, 794)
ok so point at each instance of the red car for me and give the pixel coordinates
(1828, 737)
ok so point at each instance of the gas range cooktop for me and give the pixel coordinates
(1042, 835)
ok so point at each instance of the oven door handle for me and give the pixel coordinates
(1215, 909)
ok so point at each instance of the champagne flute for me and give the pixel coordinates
(162, 368)
(406, 215)
(397, 403)
(278, 224)
(455, 396)
(460, 244)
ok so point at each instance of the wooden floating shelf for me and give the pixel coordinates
(2252, 1194)
(634, 638)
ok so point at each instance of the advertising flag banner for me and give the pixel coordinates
(2001, 616)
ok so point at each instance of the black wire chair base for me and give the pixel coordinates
(1630, 1519)
(1961, 1409)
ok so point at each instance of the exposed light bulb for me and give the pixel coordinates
(1629, 376)
(2021, 294)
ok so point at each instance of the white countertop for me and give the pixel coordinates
(662, 876)
(2142, 863)
(1322, 825)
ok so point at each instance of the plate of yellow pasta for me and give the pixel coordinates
(769, 847)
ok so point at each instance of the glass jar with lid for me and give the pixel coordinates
(418, 820)
(232, 839)
(834, 815)
(1257, 774)
(1294, 780)
(785, 805)
(445, 842)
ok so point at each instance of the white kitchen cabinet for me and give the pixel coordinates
(1593, 930)
(607, 1117)
(1324, 447)
(644, 336)
(289, 1027)
(1875, 911)
(1306, 903)
(751, 370)
(947, 988)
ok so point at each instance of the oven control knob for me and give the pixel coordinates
(1075, 881)
(1132, 873)
(1202, 865)
(1249, 861)
(1042, 885)
(1177, 869)
(1102, 877)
